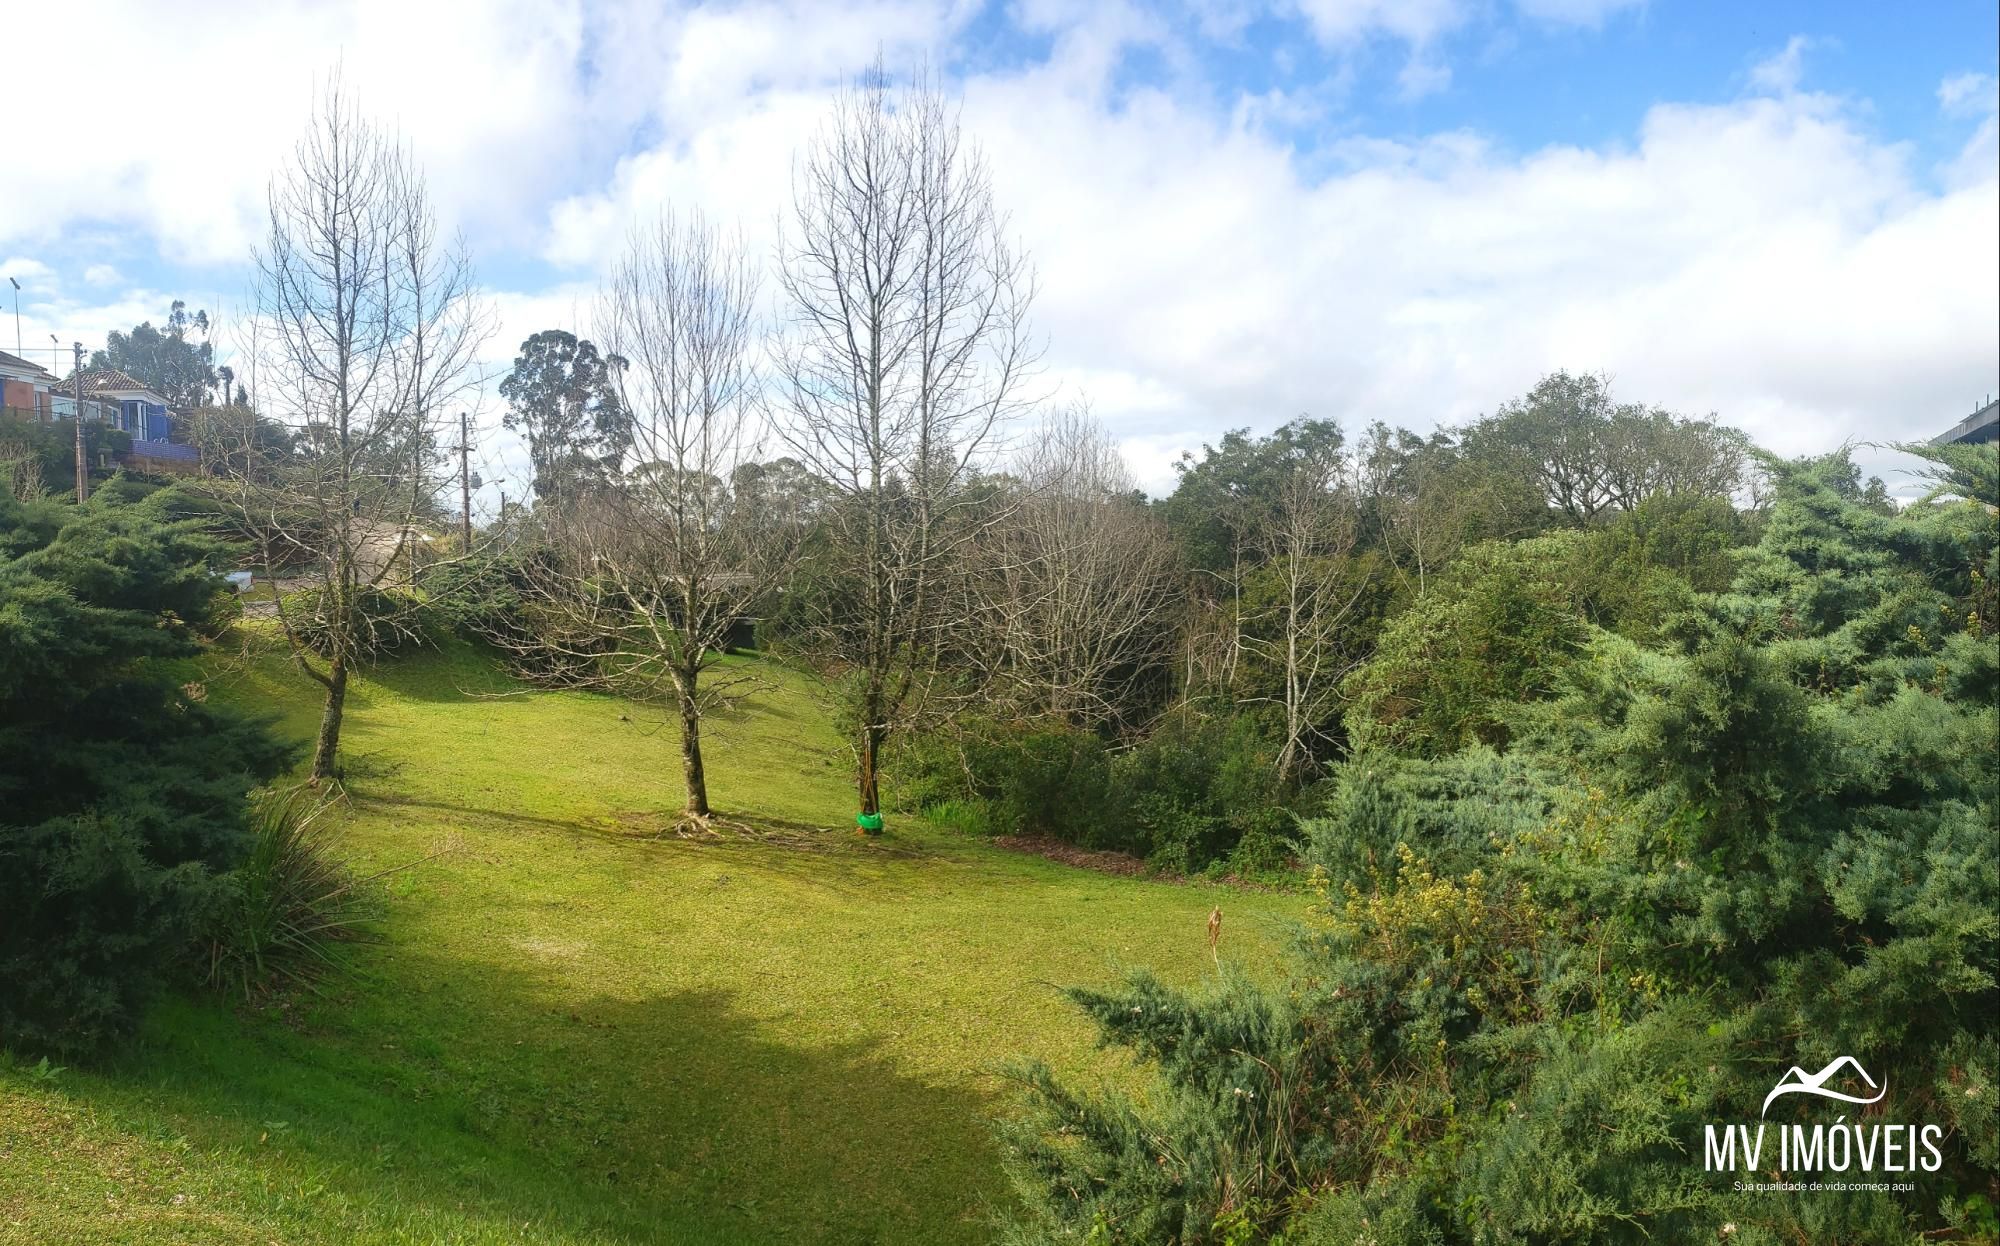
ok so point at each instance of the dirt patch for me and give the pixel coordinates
(1121, 863)
(726, 829)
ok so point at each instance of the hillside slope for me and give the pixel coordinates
(573, 1030)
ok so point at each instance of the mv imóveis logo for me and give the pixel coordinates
(1868, 1146)
(1797, 1081)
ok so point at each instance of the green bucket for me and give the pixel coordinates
(870, 822)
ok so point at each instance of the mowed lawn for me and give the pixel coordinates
(572, 1029)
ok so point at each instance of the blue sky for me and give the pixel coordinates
(1783, 212)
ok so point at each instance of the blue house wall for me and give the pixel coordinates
(147, 421)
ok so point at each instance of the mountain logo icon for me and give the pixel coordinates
(1798, 1081)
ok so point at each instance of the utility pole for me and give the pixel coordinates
(17, 315)
(82, 468)
(465, 479)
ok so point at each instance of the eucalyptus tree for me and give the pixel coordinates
(562, 394)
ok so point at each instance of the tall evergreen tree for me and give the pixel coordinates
(178, 361)
(562, 397)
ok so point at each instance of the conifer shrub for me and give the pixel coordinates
(1452, 809)
(121, 789)
(1761, 837)
(478, 599)
(1498, 629)
(389, 621)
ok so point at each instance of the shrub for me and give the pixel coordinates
(1046, 780)
(1495, 631)
(1764, 842)
(478, 598)
(1024, 779)
(1215, 1156)
(121, 792)
(280, 917)
(1200, 789)
(1197, 794)
(1452, 810)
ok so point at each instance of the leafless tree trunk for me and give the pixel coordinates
(905, 359)
(639, 584)
(1309, 545)
(1082, 588)
(368, 328)
(21, 472)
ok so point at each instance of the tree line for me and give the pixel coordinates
(875, 480)
(871, 480)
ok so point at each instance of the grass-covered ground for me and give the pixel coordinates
(573, 1030)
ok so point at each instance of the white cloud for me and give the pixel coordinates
(486, 92)
(1763, 259)
(1968, 95)
(1780, 72)
(1770, 258)
(1415, 21)
(1972, 95)
(1422, 76)
(1587, 13)
(100, 275)
(25, 270)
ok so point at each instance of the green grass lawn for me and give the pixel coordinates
(574, 1030)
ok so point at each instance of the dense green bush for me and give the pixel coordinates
(1012, 779)
(1763, 838)
(51, 447)
(1202, 792)
(478, 599)
(1495, 631)
(121, 791)
(1198, 793)
(1458, 808)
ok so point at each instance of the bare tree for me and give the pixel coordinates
(367, 329)
(1084, 581)
(906, 356)
(1316, 586)
(21, 472)
(640, 582)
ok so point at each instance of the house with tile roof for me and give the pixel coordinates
(24, 388)
(135, 408)
(128, 404)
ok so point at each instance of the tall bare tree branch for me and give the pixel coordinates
(906, 357)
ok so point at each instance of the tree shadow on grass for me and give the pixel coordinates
(777, 845)
(454, 1099)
